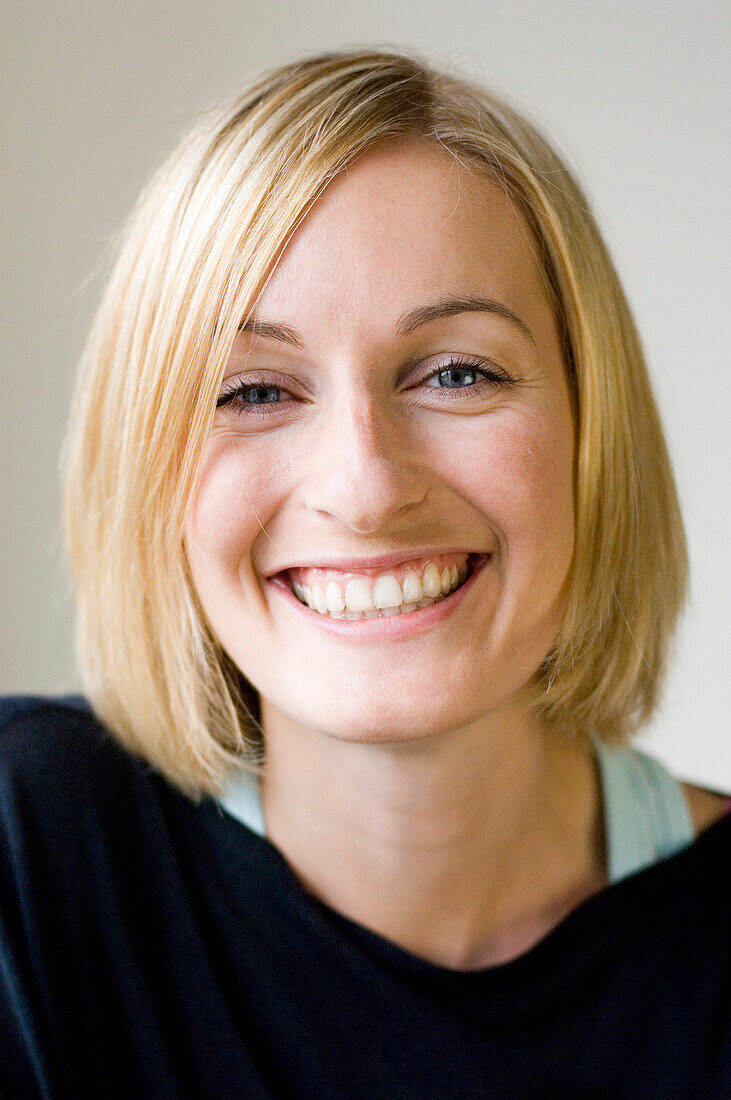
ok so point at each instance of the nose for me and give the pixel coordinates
(365, 468)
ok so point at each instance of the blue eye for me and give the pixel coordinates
(479, 376)
(250, 392)
(452, 374)
(462, 377)
(455, 370)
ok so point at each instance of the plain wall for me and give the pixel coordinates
(94, 94)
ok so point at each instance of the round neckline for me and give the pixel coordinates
(573, 937)
(577, 921)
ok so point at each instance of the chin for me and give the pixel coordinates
(384, 722)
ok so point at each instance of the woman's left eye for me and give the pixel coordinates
(457, 376)
(480, 376)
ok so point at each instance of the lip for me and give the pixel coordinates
(371, 565)
(392, 627)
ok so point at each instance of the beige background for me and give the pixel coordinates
(95, 93)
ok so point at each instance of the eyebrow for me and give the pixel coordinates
(408, 323)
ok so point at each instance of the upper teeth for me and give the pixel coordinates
(358, 596)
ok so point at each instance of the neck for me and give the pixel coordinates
(464, 848)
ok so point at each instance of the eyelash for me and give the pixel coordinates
(493, 377)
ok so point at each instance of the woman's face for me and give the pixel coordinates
(373, 414)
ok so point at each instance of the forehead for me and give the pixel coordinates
(405, 224)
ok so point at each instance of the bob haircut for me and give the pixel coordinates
(198, 248)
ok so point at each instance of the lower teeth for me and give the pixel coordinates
(384, 612)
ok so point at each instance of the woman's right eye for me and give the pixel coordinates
(250, 397)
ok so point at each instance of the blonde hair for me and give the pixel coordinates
(193, 257)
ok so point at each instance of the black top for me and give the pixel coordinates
(153, 947)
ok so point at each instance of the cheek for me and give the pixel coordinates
(523, 474)
(222, 522)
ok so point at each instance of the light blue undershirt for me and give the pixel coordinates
(646, 815)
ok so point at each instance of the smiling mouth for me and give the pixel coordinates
(386, 596)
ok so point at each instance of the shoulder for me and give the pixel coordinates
(34, 727)
(706, 807)
(56, 756)
(83, 857)
(41, 713)
(78, 812)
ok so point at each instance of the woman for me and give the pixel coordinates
(377, 558)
